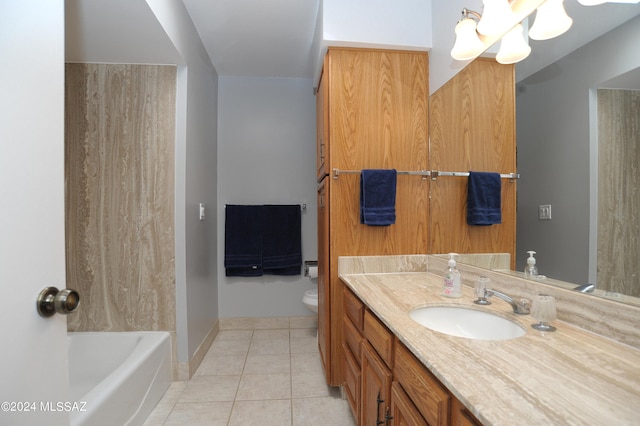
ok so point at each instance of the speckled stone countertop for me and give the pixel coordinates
(570, 376)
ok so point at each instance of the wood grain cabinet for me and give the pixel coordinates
(372, 112)
(395, 388)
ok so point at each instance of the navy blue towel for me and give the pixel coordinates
(282, 242)
(243, 234)
(483, 199)
(378, 197)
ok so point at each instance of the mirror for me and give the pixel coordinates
(558, 134)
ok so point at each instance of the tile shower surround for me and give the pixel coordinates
(119, 173)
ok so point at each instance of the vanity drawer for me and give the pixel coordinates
(427, 393)
(379, 336)
(353, 308)
(352, 338)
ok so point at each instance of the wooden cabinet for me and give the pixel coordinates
(394, 387)
(372, 112)
(324, 294)
(472, 127)
(376, 388)
(352, 350)
(322, 130)
(430, 397)
(403, 410)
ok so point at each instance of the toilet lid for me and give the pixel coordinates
(311, 293)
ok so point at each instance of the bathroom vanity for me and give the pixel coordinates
(395, 367)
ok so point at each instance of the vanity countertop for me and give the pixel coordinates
(570, 376)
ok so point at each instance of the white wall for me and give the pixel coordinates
(266, 155)
(196, 156)
(556, 135)
(401, 24)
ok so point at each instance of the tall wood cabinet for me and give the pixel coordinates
(372, 112)
(472, 127)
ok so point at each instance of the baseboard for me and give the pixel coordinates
(195, 361)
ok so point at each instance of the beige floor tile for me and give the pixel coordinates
(254, 323)
(229, 347)
(321, 411)
(261, 413)
(234, 335)
(200, 414)
(304, 333)
(304, 322)
(269, 347)
(275, 334)
(221, 365)
(166, 404)
(210, 388)
(305, 385)
(304, 345)
(309, 362)
(264, 386)
(260, 364)
(270, 323)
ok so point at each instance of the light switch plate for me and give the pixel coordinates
(202, 206)
(544, 212)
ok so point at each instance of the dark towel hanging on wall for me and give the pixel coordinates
(263, 239)
(243, 232)
(282, 240)
(484, 199)
(378, 197)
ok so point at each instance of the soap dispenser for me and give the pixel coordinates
(531, 270)
(452, 284)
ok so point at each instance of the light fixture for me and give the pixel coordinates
(513, 47)
(467, 45)
(551, 21)
(496, 17)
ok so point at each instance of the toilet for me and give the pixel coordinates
(310, 299)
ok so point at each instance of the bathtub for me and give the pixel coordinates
(117, 378)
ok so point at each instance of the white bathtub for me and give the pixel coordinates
(117, 378)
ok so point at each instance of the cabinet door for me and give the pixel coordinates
(376, 387)
(322, 129)
(324, 307)
(352, 381)
(403, 411)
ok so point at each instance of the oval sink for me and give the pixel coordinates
(464, 322)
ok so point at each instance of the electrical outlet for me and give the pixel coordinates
(544, 212)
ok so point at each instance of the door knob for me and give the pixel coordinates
(51, 301)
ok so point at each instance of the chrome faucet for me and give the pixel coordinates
(520, 308)
(585, 288)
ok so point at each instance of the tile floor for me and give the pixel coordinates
(258, 371)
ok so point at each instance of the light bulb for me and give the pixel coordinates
(513, 47)
(467, 45)
(551, 21)
(496, 18)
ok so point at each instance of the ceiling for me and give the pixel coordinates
(257, 37)
(266, 38)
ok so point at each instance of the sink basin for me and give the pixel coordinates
(464, 322)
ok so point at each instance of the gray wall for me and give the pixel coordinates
(266, 155)
(196, 153)
(556, 138)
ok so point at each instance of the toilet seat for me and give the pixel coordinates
(312, 294)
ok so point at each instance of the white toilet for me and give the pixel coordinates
(310, 299)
